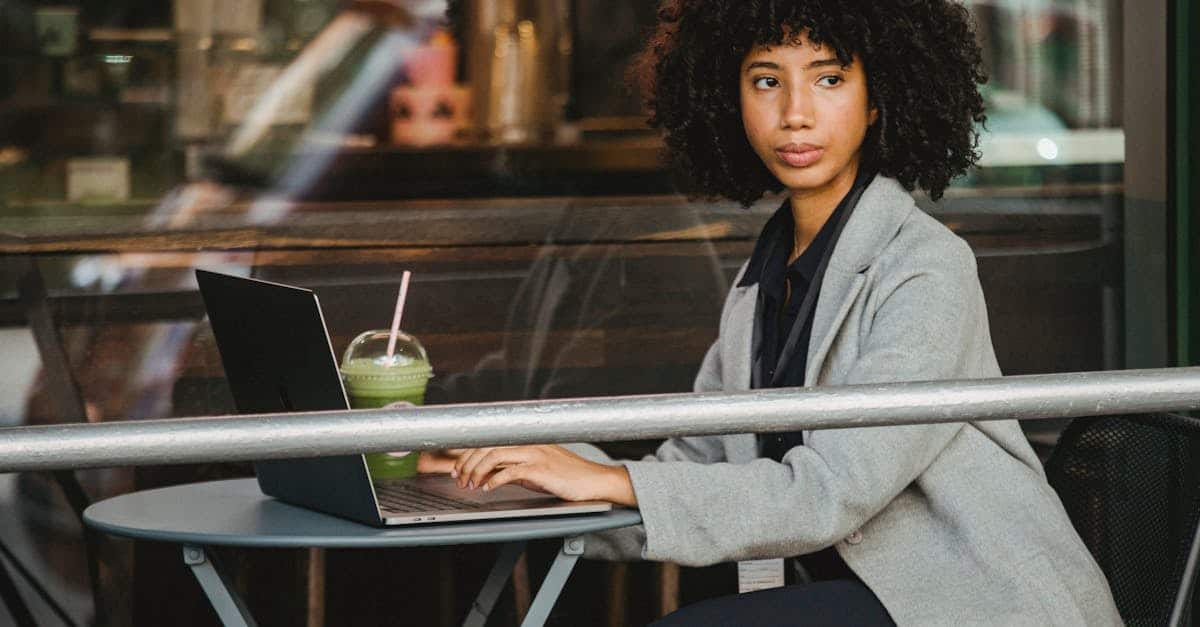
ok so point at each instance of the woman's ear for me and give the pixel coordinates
(872, 115)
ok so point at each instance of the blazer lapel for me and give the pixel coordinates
(840, 290)
(877, 218)
(875, 221)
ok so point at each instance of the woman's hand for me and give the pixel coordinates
(438, 462)
(546, 468)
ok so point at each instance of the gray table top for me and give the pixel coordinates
(236, 513)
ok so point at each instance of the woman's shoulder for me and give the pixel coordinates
(922, 242)
(925, 235)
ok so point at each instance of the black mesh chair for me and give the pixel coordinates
(1131, 485)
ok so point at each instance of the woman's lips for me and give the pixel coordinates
(800, 156)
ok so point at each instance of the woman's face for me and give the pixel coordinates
(805, 114)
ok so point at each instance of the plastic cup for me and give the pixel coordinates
(374, 380)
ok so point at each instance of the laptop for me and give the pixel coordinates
(278, 358)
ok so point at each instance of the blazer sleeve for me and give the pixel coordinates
(629, 543)
(929, 324)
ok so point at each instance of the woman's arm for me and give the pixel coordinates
(930, 325)
(548, 468)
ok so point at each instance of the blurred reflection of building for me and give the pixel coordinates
(254, 136)
(1060, 54)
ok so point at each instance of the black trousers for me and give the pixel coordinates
(836, 602)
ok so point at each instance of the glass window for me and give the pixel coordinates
(497, 154)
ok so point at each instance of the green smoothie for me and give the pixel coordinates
(376, 382)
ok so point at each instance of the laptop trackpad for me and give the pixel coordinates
(445, 486)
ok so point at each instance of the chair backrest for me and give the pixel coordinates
(1131, 485)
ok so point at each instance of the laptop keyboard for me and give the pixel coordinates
(403, 497)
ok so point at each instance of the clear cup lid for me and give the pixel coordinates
(367, 356)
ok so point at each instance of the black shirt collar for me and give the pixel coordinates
(768, 261)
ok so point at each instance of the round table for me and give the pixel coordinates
(236, 513)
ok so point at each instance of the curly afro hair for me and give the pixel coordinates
(923, 70)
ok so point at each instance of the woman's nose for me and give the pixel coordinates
(798, 110)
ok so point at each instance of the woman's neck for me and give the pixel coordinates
(811, 208)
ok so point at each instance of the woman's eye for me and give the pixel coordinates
(830, 81)
(766, 82)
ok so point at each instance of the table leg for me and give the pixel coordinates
(668, 588)
(447, 613)
(553, 584)
(485, 601)
(520, 584)
(618, 584)
(229, 606)
(316, 588)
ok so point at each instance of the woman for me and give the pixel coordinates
(844, 107)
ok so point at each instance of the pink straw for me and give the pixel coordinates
(399, 312)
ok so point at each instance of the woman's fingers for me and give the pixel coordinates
(488, 462)
(546, 468)
(435, 462)
(465, 470)
(465, 463)
(506, 475)
(529, 476)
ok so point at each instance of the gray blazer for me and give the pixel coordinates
(948, 524)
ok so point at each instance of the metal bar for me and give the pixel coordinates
(485, 601)
(1183, 595)
(552, 585)
(317, 434)
(230, 608)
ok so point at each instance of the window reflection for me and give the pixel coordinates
(500, 156)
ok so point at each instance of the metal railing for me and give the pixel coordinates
(318, 434)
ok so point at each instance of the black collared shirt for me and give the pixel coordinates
(782, 290)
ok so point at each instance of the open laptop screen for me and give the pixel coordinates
(278, 358)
